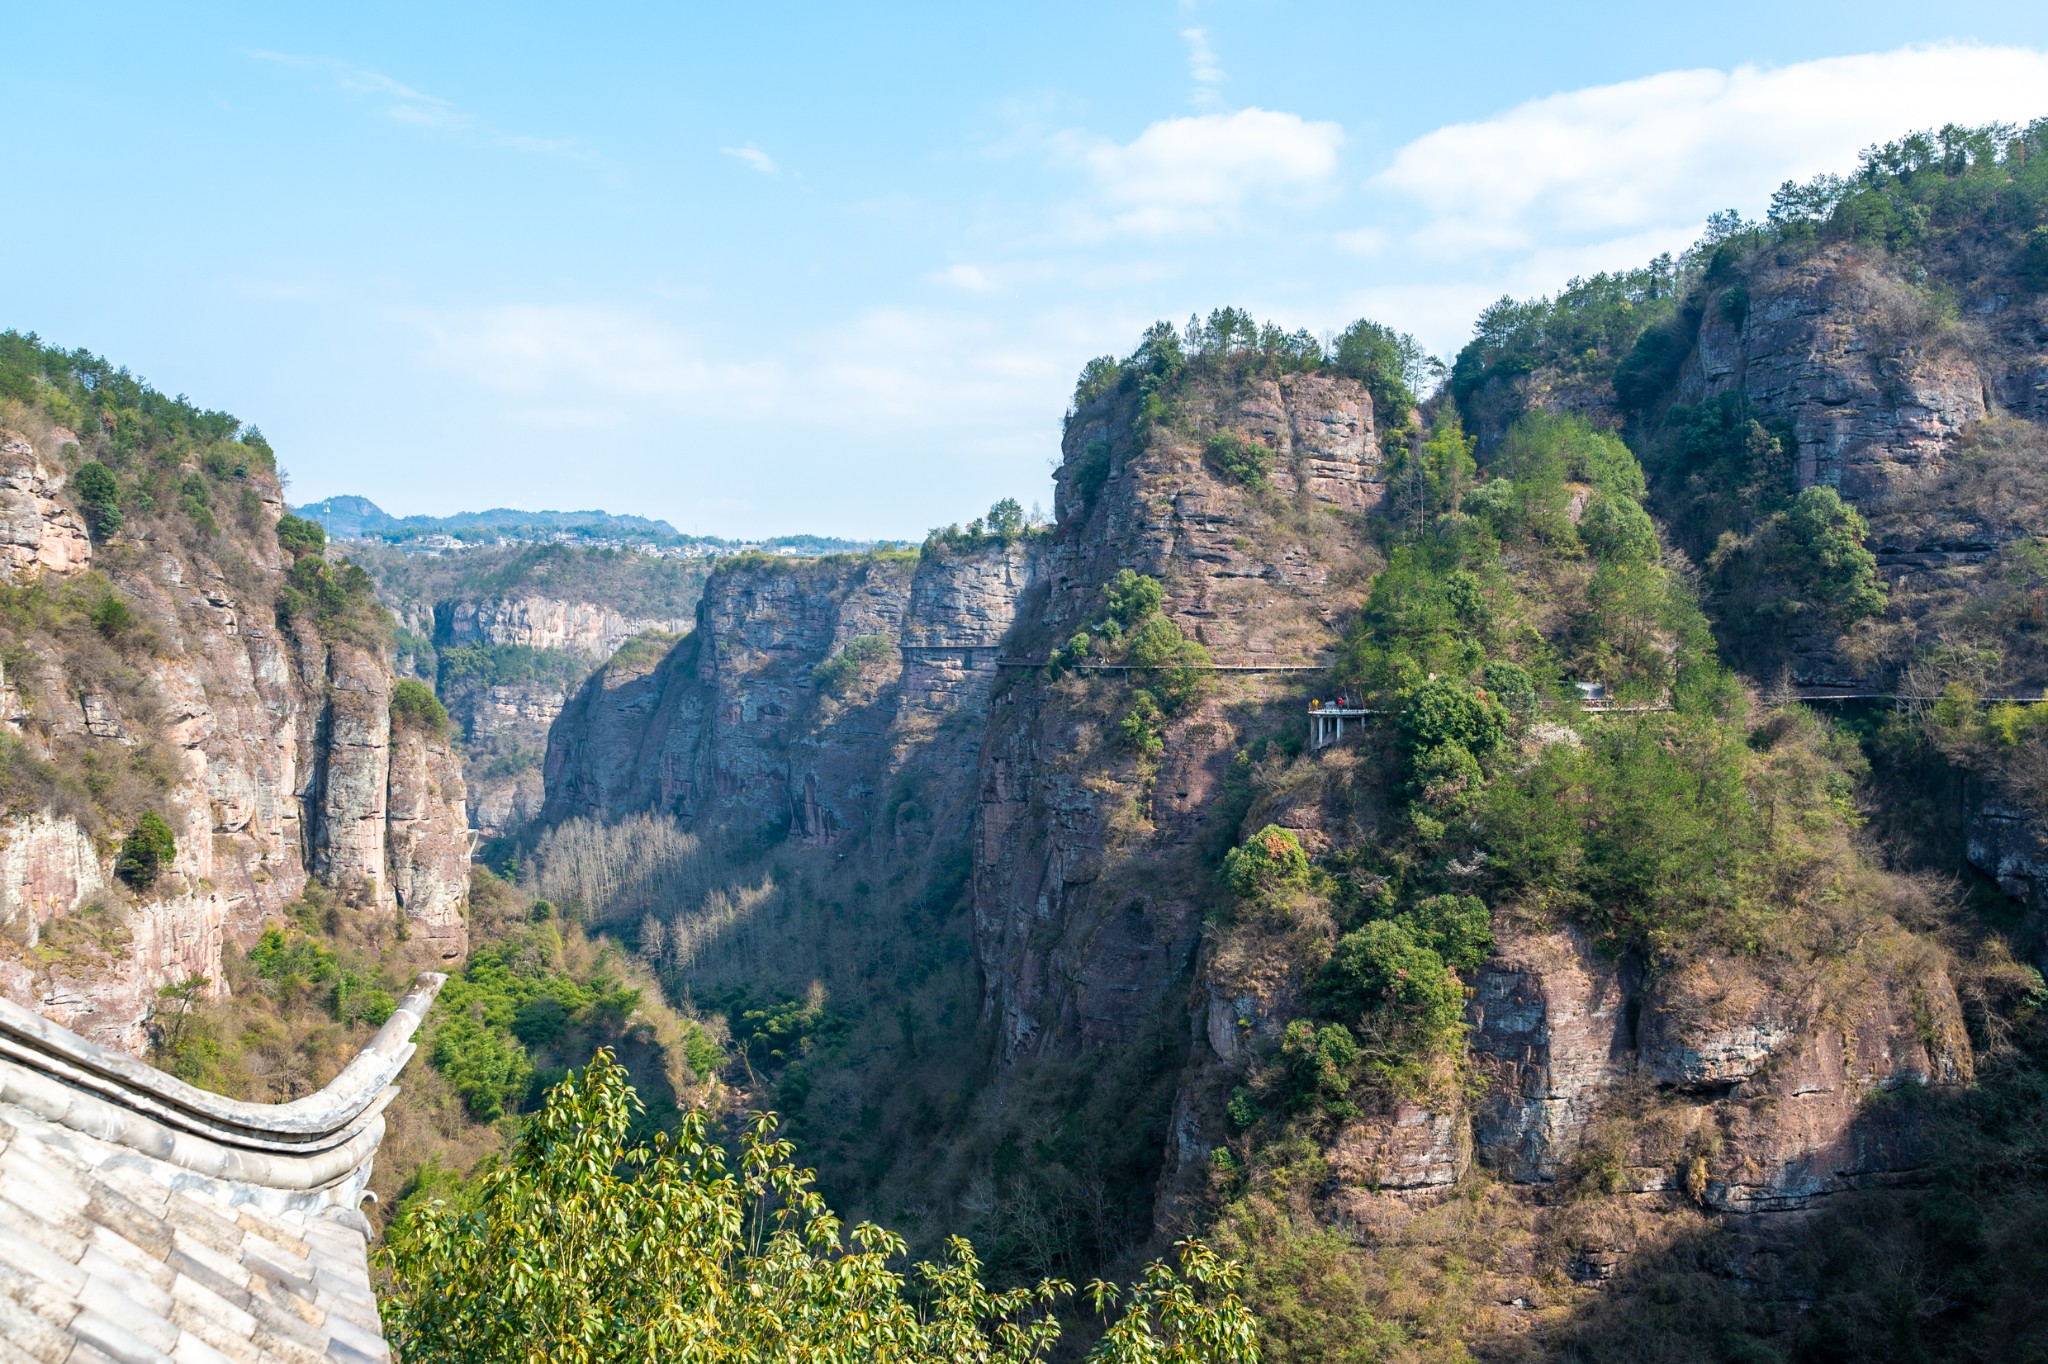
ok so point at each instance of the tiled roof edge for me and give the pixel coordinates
(316, 1143)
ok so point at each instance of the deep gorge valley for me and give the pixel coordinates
(1695, 1013)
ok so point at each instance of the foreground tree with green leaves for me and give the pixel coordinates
(584, 1250)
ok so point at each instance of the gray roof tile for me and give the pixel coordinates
(142, 1220)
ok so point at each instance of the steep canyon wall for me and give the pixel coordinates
(268, 750)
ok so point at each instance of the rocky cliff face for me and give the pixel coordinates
(848, 706)
(593, 629)
(1086, 906)
(1858, 364)
(508, 634)
(1918, 388)
(748, 722)
(266, 749)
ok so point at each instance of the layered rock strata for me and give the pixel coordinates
(269, 753)
(1082, 929)
(801, 688)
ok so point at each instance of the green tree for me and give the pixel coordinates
(584, 1249)
(1131, 597)
(1433, 476)
(1391, 365)
(149, 848)
(1455, 927)
(1817, 544)
(1616, 528)
(1006, 517)
(99, 497)
(299, 537)
(1510, 685)
(1269, 863)
(112, 617)
(1387, 977)
(490, 1071)
(1441, 711)
(1319, 1064)
(414, 706)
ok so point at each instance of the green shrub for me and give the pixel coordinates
(1239, 459)
(1320, 1065)
(414, 706)
(1455, 927)
(112, 617)
(1817, 545)
(1440, 711)
(2034, 264)
(1178, 667)
(1646, 831)
(1143, 726)
(1388, 980)
(360, 998)
(1268, 864)
(1131, 597)
(99, 497)
(540, 1021)
(1510, 685)
(195, 499)
(1090, 471)
(291, 960)
(1446, 776)
(840, 671)
(340, 600)
(1616, 528)
(300, 537)
(146, 852)
(1734, 305)
(488, 1070)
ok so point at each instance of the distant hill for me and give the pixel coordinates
(358, 518)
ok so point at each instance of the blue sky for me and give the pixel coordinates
(780, 268)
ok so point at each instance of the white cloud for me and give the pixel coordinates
(754, 157)
(1196, 173)
(1362, 241)
(402, 103)
(547, 351)
(967, 278)
(1617, 159)
(1203, 67)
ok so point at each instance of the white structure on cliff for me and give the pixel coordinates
(142, 1219)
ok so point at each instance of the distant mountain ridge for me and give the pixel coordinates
(357, 518)
(349, 517)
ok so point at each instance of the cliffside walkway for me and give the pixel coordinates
(1169, 667)
(144, 1219)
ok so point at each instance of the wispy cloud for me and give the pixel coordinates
(1203, 67)
(402, 103)
(1663, 151)
(1197, 173)
(554, 353)
(754, 157)
(970, 279)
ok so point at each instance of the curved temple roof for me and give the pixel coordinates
(142, 1219)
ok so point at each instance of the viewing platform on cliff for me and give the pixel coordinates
(1327, 720)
